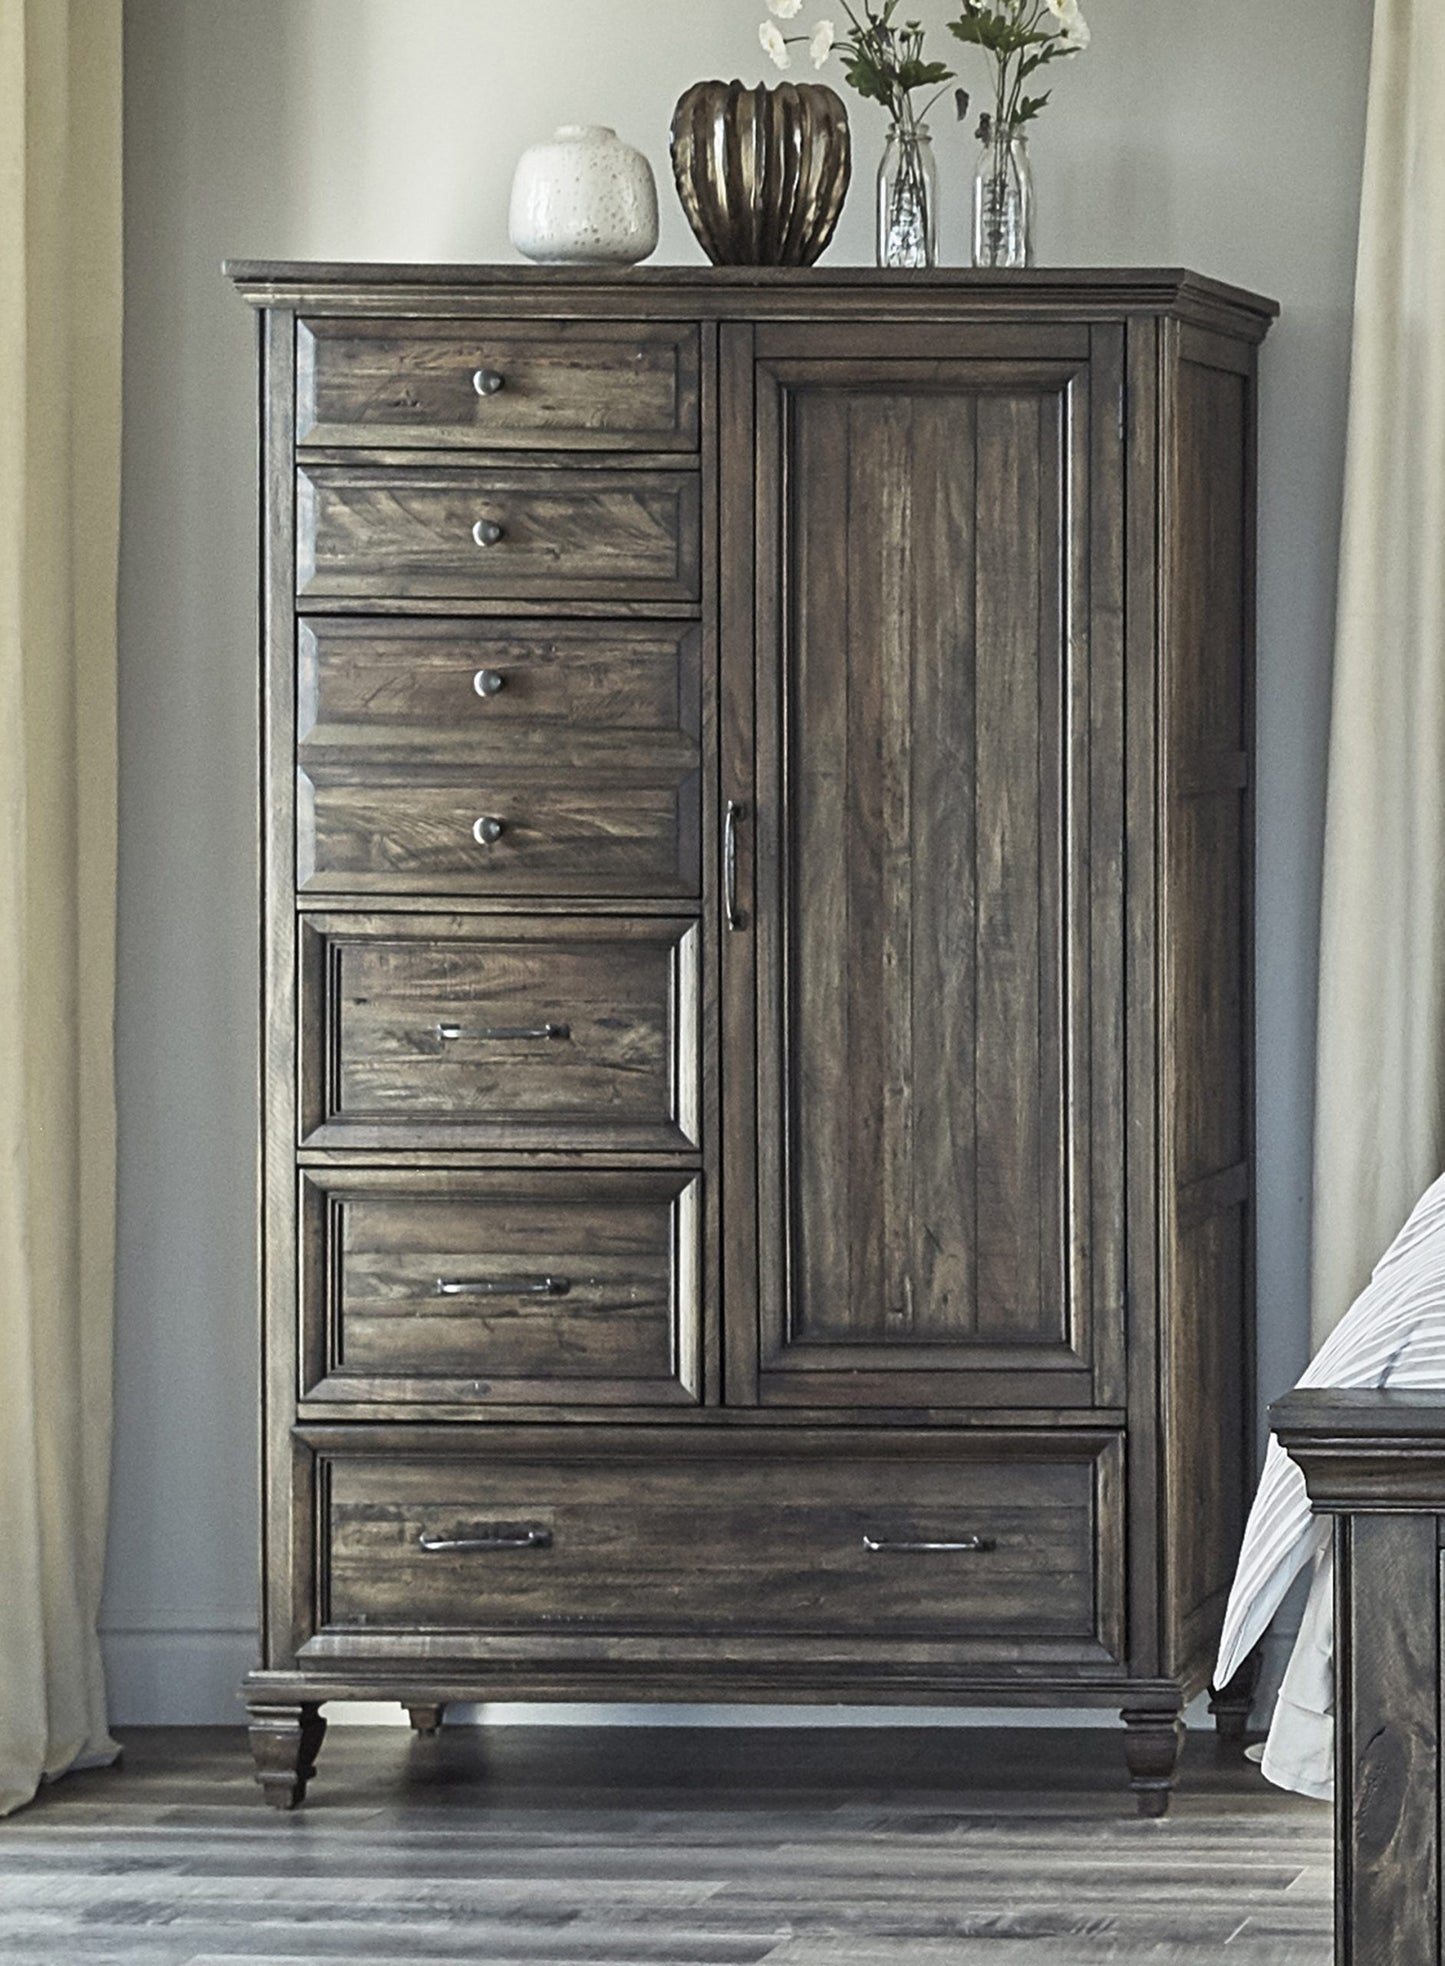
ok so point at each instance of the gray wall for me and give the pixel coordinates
(1225, 136)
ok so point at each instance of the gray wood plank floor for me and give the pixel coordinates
(666, 1847)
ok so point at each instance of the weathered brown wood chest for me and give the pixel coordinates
(757, 812)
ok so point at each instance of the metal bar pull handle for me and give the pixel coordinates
(965, 1546)
(733, 818)
(504, 1033)
(492, 1536)
(503, 1286)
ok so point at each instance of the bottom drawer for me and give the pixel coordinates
(770, 1532)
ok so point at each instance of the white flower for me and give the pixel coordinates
(774, 44)
(1076, 36)
(821, 45)
(785, 9)
(1073, 29)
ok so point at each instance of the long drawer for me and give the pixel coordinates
(766, 1536)
(571, 385)
(563, 1288)
(463, 532)
(509, 1032)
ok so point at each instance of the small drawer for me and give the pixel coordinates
(560, 694)
(364, 827)
(478, 1289)
(368, 532)
(749, 1540)
(498, 385)
(520, 1032)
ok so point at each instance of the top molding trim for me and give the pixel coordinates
(720, 292)
(1378, 1452)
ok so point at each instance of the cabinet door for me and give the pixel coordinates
(923, 994)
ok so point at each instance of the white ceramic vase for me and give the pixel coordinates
(583, 195)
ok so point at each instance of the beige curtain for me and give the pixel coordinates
(1380, 1105)
(60, 329)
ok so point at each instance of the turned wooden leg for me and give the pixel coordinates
(285, 1741)
(1153, 1737)
(427, 1719)
(1231, 1704)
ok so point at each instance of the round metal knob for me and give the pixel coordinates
(488, 831)
(486, 532)
(487, 382)
(487, 682)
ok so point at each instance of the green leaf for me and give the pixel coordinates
(923, 74)
(862, 76)
(984, 31)
(1029, 107)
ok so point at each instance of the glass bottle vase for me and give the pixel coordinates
(1003, 200)
(908, 198)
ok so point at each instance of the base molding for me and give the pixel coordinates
(288, 1724)
(411, 1685)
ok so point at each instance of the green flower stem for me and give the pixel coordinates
(886, 63)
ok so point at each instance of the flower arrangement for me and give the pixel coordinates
(1020, 37)
(883, 62)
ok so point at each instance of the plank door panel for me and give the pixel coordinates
(929, 1088)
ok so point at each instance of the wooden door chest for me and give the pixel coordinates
(757, 817)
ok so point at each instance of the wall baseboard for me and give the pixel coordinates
(170, 1673)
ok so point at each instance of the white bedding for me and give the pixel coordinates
(1392, 1335)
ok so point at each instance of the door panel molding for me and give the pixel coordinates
(856, 468)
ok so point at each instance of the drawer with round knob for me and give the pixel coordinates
(377, 533)
(492, 830)
(558, 693)
(485, 384)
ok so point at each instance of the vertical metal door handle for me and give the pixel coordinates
(736, 813)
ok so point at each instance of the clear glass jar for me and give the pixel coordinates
(908, 198)
(1003, 199)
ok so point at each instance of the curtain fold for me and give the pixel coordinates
(60, 354)
(1380, 1084)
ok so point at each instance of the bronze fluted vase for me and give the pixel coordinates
(762, 172)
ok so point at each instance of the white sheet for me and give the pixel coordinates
(1392, 1335)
